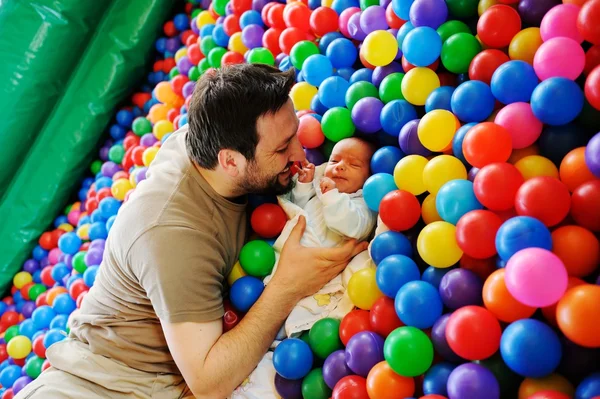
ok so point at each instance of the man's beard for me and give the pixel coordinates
(257, 183)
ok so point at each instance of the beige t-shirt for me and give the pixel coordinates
(167, 256)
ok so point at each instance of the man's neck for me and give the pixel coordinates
(219, 182)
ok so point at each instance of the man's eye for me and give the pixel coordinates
(284, 149)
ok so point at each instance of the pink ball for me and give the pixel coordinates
(561, 21)
(344, 18)
(521, 123)
(559, 57)
(54, 255)
(536, 277)
(73, 217)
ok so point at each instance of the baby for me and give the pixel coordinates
(330, 197)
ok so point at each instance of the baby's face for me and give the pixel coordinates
(349, 164)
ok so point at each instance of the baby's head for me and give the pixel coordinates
(349, 164)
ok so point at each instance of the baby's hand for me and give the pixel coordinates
(306, 173)
(327, 184)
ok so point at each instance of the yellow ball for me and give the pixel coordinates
(149, 155)
(66, 227)
(380, 48)
(326, 3)
(83, 231)
(180, 53)
(236, 44)
(21, 279)
(536, 165)
(440, 170)
(235, 273)
(408, 174)
(429, 211)
(437, 245)
(19, 347)
(524, 45)
(418, 84)
(302, 94)
(520, 153)
(204, 18)
(363, 290)
(132, 176)
(484, 5)
(119, 188)
(162, 128)
(436, 129)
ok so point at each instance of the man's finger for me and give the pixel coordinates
(298, 230)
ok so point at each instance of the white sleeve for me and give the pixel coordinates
(302, 193)
(347, 216)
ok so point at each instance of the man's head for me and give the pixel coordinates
(349, 164)
(242, 122)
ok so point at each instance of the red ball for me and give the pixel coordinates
(231, 25)
(103, 193)
(8, 394)
(268, 220)
(498, 25)
(310, 132)
(482, 267)
(383, 317)
(241, 6)
(77, 288)
(350, 387)
(128, 160)
(9, 300)
(131, 141)
(9, 318)
(473, 333)
(177, 84)
(231, 57)
(392, 19)
(170, 29)
(46, 241)
(38, 347)
(547, 394)
(487, 143)
(265, 12)
(354, 322)
(592, 59)
(185, 36)
(56, 234)
(46, 276)
(324, 20)
(191, 39)
(158, 66)
(86, 245)
(297, 15)
(46, 365)
(592, 88)
(91, 205)
(400, 210)
(275, 16)
(82, 295)
(231, 318)
(3, 353)
(289, 37)
(476, 233)
(270, 40)
(544, 198)
(172, 114)
(121, 175)
(588, 21)
(195, 54)
(168, 64)
(25, 290)
(137, 155)
(485, 63)
(496, 186)
(41, 300)
(585, 205)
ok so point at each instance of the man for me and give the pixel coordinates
(151, 326)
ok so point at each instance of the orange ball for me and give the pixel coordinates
(500, 302)
(573, 170)
(552, 382)
(549, 312)
(52, 293)
(384, 383)
(487, 143)
(576, 2)
(578, 248)
(577, 315)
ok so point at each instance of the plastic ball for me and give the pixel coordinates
(293, 358)
(314, 386)
(500, 302)
(335, 368)
(589, 387)
(323, 20)
(376, 188)
(355, 321)
(408, 174)
(534, 166)
(592, 158)
(418, 304)
(362, 288)
(584, 205)
(577, 248)
(363, 351)
(391, 204)
(351, 386)
(384, 383)
(487, 143)
(458, 51)
(485, 64)
(439, 99)
(316, 69)
(385, 159)
(476, 233)
(337, 124)
(380, 48)
(394, 115)
(592, 91)
(514, 81)
(525, 44)
(574, 170)
(19, 347)
(418, 84)
(437, 244)
(342, 53)
(496, 186)
(548, 59)
(302, 94)
(431, 13)
(358, 91)
(472, 101)
(587, 22)
(366, 115)
(310, 133)
(422, 46)
(268, 220)
(576, 315)
(519, 120)
(473, 333)
(324, 337)
(437, 129)
(245, 292)
(473, 380)
(408, 351)
(383, 316)
(561, 21)
(544, 198)
(389, 243)
(557, 101)
(498, 25)
(21, 279)
(455, 199)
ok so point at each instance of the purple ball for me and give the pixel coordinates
(104, 153)
(68, 260)
(257, 5)
(172, 45)
(384, 3)
(229, 8)
(409, 140)
(148, 140)
(44, 262)
(430, 13)
(109, 169)
(314, 156)
(460, 287)
(472, 173)
(220, 20)
(532, 11)
(204, 4)
(188, 88)
(98, 243)
(93, 257)
(592, 155)
(354, 28)
(472, 380)
(366, 114)
(252, 36)
(279, 58)
(335, 368)
(380, 73)
(438, 338)
(20, 383)
(28, 309)
(141, 175)
(194, 26)
(288, 389)
(184, 65)
(364, 350)
(372, 19)
(31, 266)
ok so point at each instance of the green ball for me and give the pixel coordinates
(215, 55)
(408, 351)
(364, 4)
(390, 88)
(10, 333)
(36, 290)
(458, 51)
(324, 337)
(195, 13)
(79, 262)
(337, 124)
(206, 44)
(314, 386)
(204, 65)
(68, 207)
(301, 51)
(33, 367)
(360, 90)
(509, 381)
(95, 168)
(257, 258)
(194, 73)
(462, 8)
(116, 153)
(141, 126)
(220, 7)
(304, 337)
(449, 28)
(174, 72)
(261, 55)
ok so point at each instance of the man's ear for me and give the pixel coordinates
(232, 162)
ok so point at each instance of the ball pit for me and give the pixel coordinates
(465, 90)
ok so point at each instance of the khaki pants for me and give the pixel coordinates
(77, 373)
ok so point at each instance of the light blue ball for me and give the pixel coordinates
(422, 46)
(376, 187)
(456, 198)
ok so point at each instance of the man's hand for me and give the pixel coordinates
(306, 173)
(327, 184)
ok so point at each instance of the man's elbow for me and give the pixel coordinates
(208, 390)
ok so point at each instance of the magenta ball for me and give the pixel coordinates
(523, 126)
(561, 21)
(559, 57)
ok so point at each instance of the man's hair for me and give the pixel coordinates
(226, 105)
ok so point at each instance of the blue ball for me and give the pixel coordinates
(384, 160)
(39, 253)
(124, 118)
(393, 272)
(402, 8)
(557, 101)
(181, 22)
(27, 328)
(245, 291)
(103, 182)
(53, 336)
(514, 81)
(521, 232)
(418, 304)
(9, 375)
(530, 348)
(473, 101)
(457, 142)
(456, 198)
(161, 44)
(345, 73)
(340, 5)
(318, 106)
(60, 322)
(285, 64)
(96, 216)
(59, 271)
(37, 277)
(18, 297)
(395, 115)
(89, 276)
(62, 219)
(376, 187)
(314, 4)
(403, 32)
(589, 387)
(390, 243)
(71, 279)
(363, 74)
(422, 46)
(436, 379)
(439, 99)
(251, 17)
(207, 30)
(183, 120)
(82, 194)
(42, 317)
(327, 39)
(69, 243)
(3, 307)
(342, 53)
(83, 220)
(316, 69)
(332, 92)
(109, 206)
(219, 36)
(434, 275)
(64, 304)
(98, 230)
(293, 359)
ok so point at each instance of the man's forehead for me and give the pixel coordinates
(275, 129)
